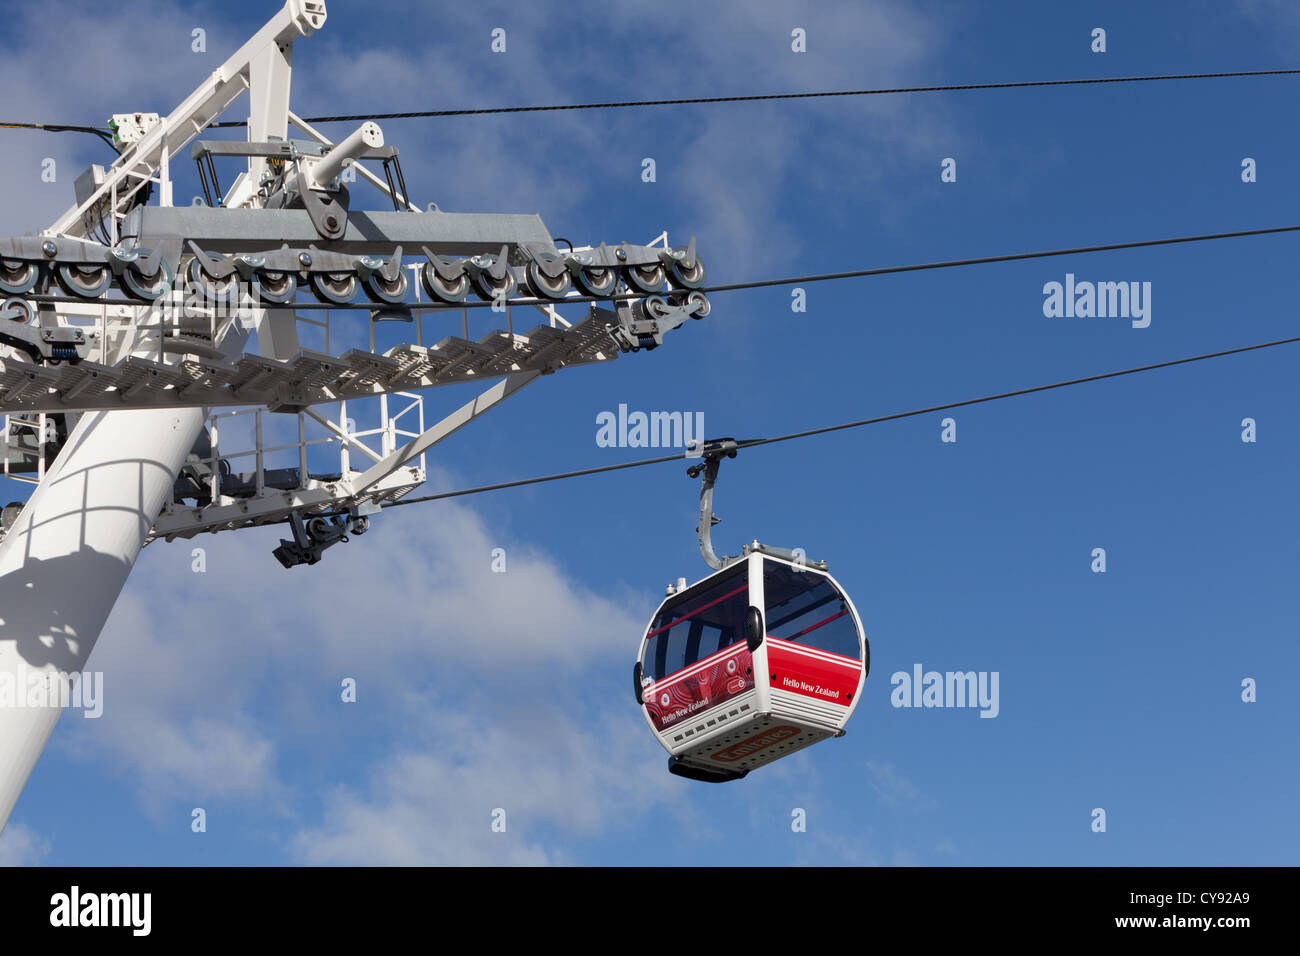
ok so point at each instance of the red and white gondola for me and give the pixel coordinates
(753, 663)
(762, 658)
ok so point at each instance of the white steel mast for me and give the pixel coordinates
(65, 561)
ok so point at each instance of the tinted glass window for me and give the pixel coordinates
(698, 623)
(805, 608)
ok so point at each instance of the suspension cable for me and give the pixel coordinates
(860, 423)
(105, 134)
(767, 97)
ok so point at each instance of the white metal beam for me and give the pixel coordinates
(142, 161)
(364, 173)
(453, 423)
(349, 440)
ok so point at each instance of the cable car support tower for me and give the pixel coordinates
(125, 325)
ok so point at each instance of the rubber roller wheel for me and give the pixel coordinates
(338, 288)
(275, 287)
(443, 290)
(597, 282)
(545, 286)
(687, 278)
(382, 290)
(647, 279)
(85, 282)
(656, 306)
(149, 288)
(18, 277)
(698, 304)
(213, 290)
(27, 311)
(490, 289)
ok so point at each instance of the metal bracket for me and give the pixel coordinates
(328, 211)
(44, 344)
(784, 553)
(313, 536)
(713, 453)
(642, 323)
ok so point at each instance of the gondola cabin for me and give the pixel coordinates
(753, 663)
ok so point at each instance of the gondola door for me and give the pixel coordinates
(696, 665)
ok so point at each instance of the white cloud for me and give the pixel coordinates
(173, 700)
(892, 787)
(726, 172)
(822, 847)
(43, 42)
(22, 846)
(478, 684)
(555, 779)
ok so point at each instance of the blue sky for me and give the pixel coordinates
(477, 690)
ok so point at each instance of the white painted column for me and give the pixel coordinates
(67, 558)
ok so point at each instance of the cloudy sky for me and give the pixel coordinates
(479, 691)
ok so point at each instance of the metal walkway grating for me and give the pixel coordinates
(308, 378)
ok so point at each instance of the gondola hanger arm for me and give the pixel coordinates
(713, 452)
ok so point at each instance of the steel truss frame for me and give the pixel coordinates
(123, 390)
